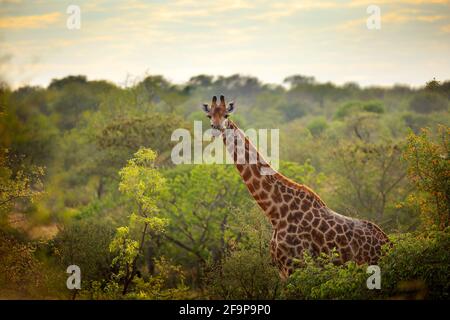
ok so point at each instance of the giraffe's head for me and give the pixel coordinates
(218, 113)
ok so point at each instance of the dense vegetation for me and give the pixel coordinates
(86, 179)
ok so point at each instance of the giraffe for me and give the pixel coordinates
(300, 220)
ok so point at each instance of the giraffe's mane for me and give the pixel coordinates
(297, 186)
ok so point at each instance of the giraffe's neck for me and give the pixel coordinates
(274, 193)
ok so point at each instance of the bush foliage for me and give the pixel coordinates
(416, 267)
(90, 161)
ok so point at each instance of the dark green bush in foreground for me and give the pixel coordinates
(417, 267)
(245, 274)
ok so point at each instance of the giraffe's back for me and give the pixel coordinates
(322, 230)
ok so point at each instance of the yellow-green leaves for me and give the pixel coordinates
(141, 182)
(429, 169)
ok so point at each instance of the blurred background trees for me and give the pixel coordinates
(62, 197)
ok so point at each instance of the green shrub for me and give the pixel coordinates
(427, 102)
(20, 271)
(317, 126)
(86, 244)
(320, 278)
(166, 284)
(373, 106)
(359, 106)
(245, 274)
(246, 271)
(427, 156)
(417, 266)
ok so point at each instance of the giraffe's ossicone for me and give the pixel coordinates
(301, 221)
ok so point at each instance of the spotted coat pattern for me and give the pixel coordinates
(300, 219)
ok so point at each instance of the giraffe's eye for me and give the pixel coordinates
(209, 116)
(226, 116)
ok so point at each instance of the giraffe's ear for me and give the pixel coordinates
(230, 108)
(205, 108)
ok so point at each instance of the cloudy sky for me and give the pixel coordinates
(269, 39)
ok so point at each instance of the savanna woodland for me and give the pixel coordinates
(86, 179)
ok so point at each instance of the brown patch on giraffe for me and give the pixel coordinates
(246, 174)
(282, 245)
(323, 226)
(284, 210)
(317, 237)
(307, 228)
(345, 227)
(264, 204)
(346, 253)
(256, 184)
(279, 253)
(315, 249)
(263, 195)
(266, 186)
(255, 170)
(339, 229)
(304, 223)
(315, 222)
(235, 157)
(292, 228)
(282, 224)
(316, 204)
(306, 236)
(270, 179)
(287, 197)
(341, 240)
(294, 217)
(293, 206)
(276, 196)
(330, 234)
(292, 240)
(273, 213)
(308, 216)
(305, 205)
(348, 235)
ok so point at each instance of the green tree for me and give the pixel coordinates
(246, 270)
(142, 184)
(427, 102)
(317, 125)
(353, 107)
(199, 204)
(428, 162)
(370, 182)
(85, 243)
